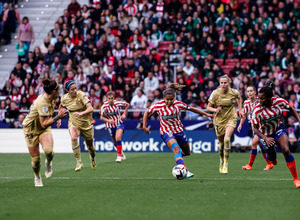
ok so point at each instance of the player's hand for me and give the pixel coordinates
(239, 128)
(146, 130)
(62, 112)
(123, 117)
(241, 114)
(210, 115)
(58, 123)
(269, 141)
(218, 109)
(111, 121)
(77, 113)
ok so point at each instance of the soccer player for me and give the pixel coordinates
(111, 115)
(37, 129)
(248, 107)
(221, 102)
(171, 128)
(267, 124)
(80, 122)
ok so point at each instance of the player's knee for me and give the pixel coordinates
(36, 161)
(48, 150)
(285, 151)
(74, 139)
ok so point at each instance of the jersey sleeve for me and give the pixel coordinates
(85, 100)
(237, 94)
(43, 109)
(152, 109)
(120, 104)
(212, 98)
(183, 106)
(102, 111)
(63, 101)
(255, 117)
(245, 108)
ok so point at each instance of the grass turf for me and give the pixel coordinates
(142, 187)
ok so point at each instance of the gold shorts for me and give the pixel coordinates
(86, 134)
(34, 139)
(221, 130)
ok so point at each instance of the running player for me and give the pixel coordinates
(248, 107)
(267, 124)
(37, 129)
(171, 128)
(80, 122)
(222, 102)
(111, 115)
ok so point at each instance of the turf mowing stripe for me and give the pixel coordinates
(148, 178)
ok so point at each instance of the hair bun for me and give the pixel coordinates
(46, 82)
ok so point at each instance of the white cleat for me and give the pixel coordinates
(48, 169)
(38, 181)
(123, 156)
(119, 159)
(189, 175)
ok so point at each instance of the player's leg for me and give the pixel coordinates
(253, 153)
(174, 147)
(88, 136)
(46, 140)
(32, 142)
(264, 153)
(118, 138)
(227, 147)
(74, 133)
(186, 152)
(282, 143)
(36, 164)
(221, 152)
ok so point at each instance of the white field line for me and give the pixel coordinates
(150, 178)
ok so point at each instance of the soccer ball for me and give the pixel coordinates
(179, 172)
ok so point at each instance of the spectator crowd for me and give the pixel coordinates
(129, 47)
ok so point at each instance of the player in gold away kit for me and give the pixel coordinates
(37, 128)
(222, 102)
(80, 121)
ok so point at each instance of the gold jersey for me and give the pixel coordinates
(41, 107)
(227, 102)
(78, 104)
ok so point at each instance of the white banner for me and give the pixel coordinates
(13, 141)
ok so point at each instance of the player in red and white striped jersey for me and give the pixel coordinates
(248, 107)
(267, 124)
(111, 115)
(171, 128)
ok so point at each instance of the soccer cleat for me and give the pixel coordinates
(123, 156)
(48, 169)
(247, 167)
(79, 166)
(93, 163)
(221, 166)
(225, 168)
(189, 175)
(38, 181)
(119, 159)
(269, 167)
(297, 183)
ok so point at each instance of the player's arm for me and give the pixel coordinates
(210, 108)
(240, 105)
(145, 118)
(294, 113)
(269, 141)
(125, 111)
(48, 121)
(111, 121)
(243, 119)
(89, 109)
(200, 112)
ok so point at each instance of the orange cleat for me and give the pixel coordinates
(297, 183)
(247, 167)
(269, 167)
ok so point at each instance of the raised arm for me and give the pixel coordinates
(47, 121)
(200, 112)
(145, 118)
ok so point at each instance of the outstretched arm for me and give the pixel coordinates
(240, 104)
(89, 109)
(145, 118)
(210, 108)
(200, 112)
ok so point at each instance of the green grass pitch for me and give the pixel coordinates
(142, 187)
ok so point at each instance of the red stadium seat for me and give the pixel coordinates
(127, 79)
(231, 62)
(165, 43)
(219, 61)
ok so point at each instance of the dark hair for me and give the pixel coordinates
(50, 85)
(68, 84)
(268, 89)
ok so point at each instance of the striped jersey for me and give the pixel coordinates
(112, 112)
(249, 106)
(269, 119)
(169, 117)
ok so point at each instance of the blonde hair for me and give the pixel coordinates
(176, 87)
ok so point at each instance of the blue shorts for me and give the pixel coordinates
(112, 131)
(276, 135)
(180, 137)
